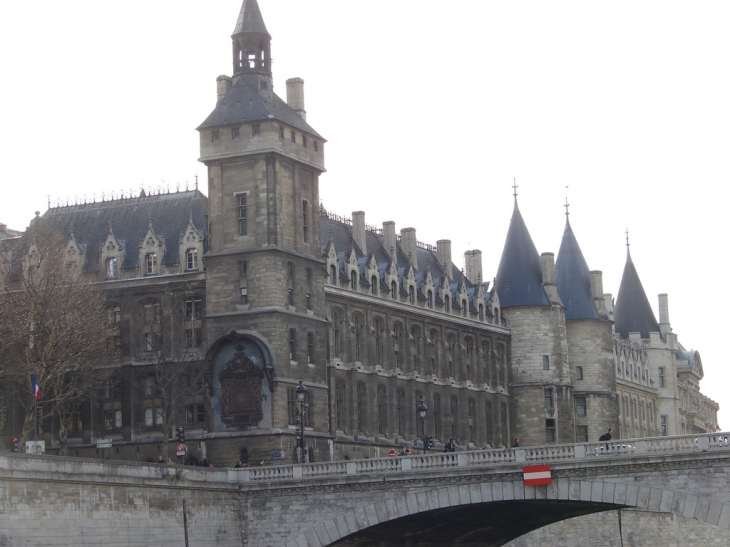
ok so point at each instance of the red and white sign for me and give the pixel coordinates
(536, 475)
(181, 447)
(391, 453)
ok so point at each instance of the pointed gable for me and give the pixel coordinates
(632, 312)
(574, 279)
(519, 277)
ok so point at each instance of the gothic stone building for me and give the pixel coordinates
(263, 287)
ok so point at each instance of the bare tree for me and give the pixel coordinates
(52, 327)
(173, 386)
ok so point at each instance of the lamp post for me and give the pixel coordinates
(422, 410)
(301, 396)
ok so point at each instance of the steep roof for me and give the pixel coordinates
(519, 277)
(574, 279)
(632, 312)
(250, 19)
(243, 104)
(170, 214)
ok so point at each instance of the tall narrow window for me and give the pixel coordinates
(374, 285)
(420, 425)
(661, 377)
(548, 396)
(340, 419)
(411, 295)
(235, 133)
(353, 280)
(191, 259)
(429, 299)
(333, 275)
(255, 130)
(663, 424)
(308, 299)
(305, 220)
(336, 342)
(193, 322)
(469, 343)
(580, 406)
(150, 261)
(400, 411)
(382, 410)
(215, 136)
(242, 215)
(310, 347)
(578, 373)
(111, 268)
(290, 283)
(358, 337)
(504, 431)
(361, 408)
(393, 290)
(292, 344)
(545, 362)
(437, 416)
(455, 418)
(243, 276)
(488, 422)
(472, 407)
(378, 326)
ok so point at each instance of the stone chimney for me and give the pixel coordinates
(608, 302)
(443, 255)
(295, 96)
(548, 277)
(408, 244)
(358, 230)
(223, 84)
(597, 292)
(389, 239)
(664, 326)
(473, 262)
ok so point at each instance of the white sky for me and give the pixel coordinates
(430, 108)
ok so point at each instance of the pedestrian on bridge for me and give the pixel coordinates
(516, 443)
(607, 435)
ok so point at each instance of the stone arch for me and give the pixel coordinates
(241, 367)
(579, 497)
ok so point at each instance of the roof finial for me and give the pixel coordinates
(566, 207)
(196, 182)
(627, 238)
(514, 188)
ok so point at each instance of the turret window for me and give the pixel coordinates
(305, 220)
(242, 215)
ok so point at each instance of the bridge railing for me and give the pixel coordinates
(488, 457)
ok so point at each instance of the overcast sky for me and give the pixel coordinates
(431, 109)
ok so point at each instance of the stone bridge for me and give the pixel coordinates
(464, 498)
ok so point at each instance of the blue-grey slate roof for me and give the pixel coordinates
(574, 278)
(250, 19)
(632, 312)
(519, 277)
(170, 214)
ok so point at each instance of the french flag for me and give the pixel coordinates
(36, 390)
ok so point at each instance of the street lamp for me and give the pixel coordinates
(301, 396)
(422, 410)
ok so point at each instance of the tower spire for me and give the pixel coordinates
(252, 49)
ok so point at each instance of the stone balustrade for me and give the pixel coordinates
(488, 458)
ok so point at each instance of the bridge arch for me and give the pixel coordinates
(499, 511)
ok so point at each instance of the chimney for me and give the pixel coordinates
(597, 293)
(443, 255)
(664, 326)
(473, 261)
(408, 244)
(389, 239)
(608, 302)
(358, 230)
(548, 277)
(295, 96)
(223, 84)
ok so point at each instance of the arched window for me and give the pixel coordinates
(437, 433)
(340, 419)
(472, 409)
(464, 308)
(353, 280)
(398, 334)
(451, 343)
(447, 304)
(489, 432)
(469, 344)
(333, 275)
(485, 362)
(400, 411)
(455, 418)
(393, 290)
(411, 295)
(434, 335)
(374, 285)
(416, 343)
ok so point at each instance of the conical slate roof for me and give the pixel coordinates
(633, 312)
(519, 277)
(250, 19)
(574, 279)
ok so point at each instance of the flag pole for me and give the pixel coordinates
(35, 409)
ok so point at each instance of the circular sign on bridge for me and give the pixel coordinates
(181, 447)
(391, 454)
(409, 451)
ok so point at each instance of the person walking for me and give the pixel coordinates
(450, 446)
(516, 443)
(607, 435)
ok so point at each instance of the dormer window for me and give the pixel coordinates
(191, 259)
(150, 261)
(111, 268)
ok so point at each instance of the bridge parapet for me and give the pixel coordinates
(488, 458)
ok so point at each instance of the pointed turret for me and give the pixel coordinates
(633, 312)
(574, 279)
(519, 277)
(252, 48)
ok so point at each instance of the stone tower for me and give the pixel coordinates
(264, 269)
(540, 379)
(590, 341)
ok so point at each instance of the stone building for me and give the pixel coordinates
(260, 287)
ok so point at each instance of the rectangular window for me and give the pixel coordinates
(255, 130)
(150, 261)
(291, 405)
(662, 381)
(242, 215)
(195, 414)
(310, 347)
(281, 131)
(582, 434)
(235, 133)
(293, 137)
(191, 256)
(242, 269)
(316, 146)
(309, 275)
(292, 344)
(305, 220)
(215, 136)
(309, 301)
(663, 424)
(304, 141)
(149, 341)
(193, 309)
(580, 406)
(193, 338)
(549, 431)
(549, 399)
(545, 362)
(111, 268)
(244, 295)
(578, 373)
